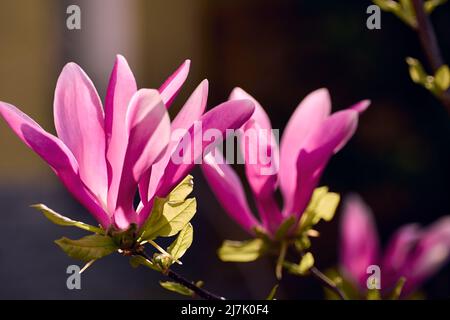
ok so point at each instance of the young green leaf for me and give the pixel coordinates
(322, 206)
(182, 190)
(285, 227)
(430, 5)
(171, 220)
(416, 71)
(89, 248)
(184, 240)
(61, 220)
(136, 261)
(241, 251)
(306, 263)
(373, 294)
(176, 287)
(442, 77)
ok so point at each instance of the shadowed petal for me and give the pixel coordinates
(197, 141)
(148, 125)
(431, 252)
(192, 111)
(79, 122)
(316, 151)
(56, 154)
(359, 246)
(228, 190)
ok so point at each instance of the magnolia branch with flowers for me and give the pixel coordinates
(107, 155)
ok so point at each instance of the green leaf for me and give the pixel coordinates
(285, 227)
(430, 5)
(176, 287)
(306, 263)
(388, 5)
(273, 292)
(322, 206)
(241, 251)
(373, 294)
(61, 220)
(182, 190)
(416, 71)
(442, 77)
(397, 291)
(171, 220)
(89, 248)
(184, 240)
(136, 261)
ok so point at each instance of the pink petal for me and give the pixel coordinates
(228, 190)
(148, 125)
(122, 86)
(193, 145)
(79, 122)
(56, 154)
(316, 151)
(359, 246)
(260, 151)
(172, 85)
(431, 253)
(259, 116)
(192, 111)
(398, 252)
(309, 115)
(228, 115)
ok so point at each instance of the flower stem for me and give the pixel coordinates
(429, 44)
(200, 292)
(327, 282)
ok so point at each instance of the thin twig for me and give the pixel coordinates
(200, 292)
(327, 282)
(429, 44)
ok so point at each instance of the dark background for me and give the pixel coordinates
(276, 50)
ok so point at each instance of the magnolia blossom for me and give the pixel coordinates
(311, 137)
(102, 155)
(413, 252)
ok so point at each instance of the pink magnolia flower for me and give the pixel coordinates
(101, 155)
(412, 252)
(311, 137)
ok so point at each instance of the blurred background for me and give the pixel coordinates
(276, 50)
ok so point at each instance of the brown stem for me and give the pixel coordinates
(429, 44)
(327, 282)
(202, 293)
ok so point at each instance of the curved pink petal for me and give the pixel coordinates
(200, 139)
(259, 115)
(227, 116)
(172, 85)
(260, 151)
(192, 110)
(148, 125)
(56, 154)
(309, 115)
(359, 245)
(228, 190)
(316, 151)
(79, 122)
(430, 253)
(122, 86)
(397, 253)
(261, 157)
